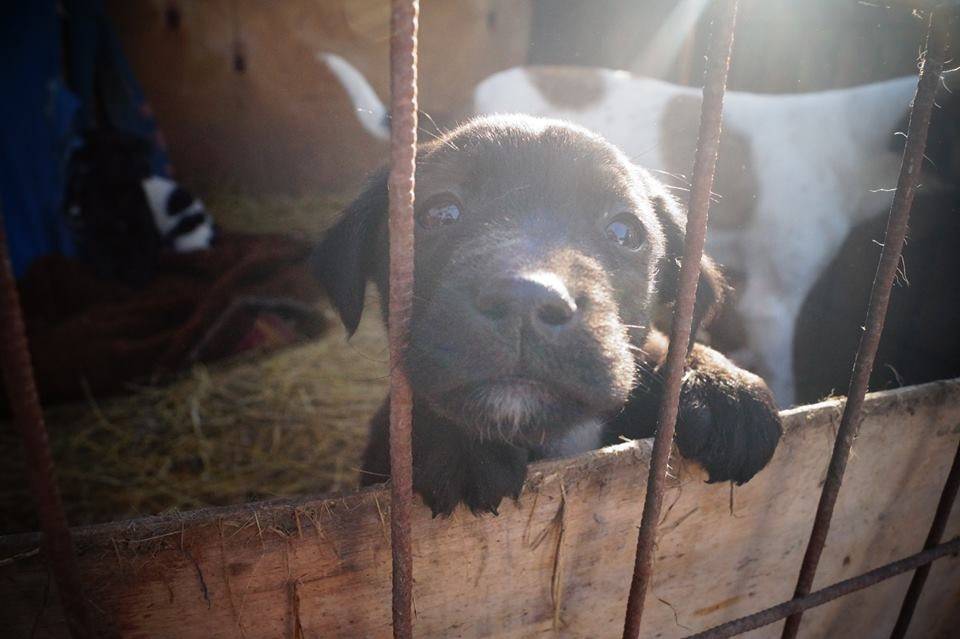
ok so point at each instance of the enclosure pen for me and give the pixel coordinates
(704, 167)
(403, 155)
(58, 548)
(820, 597)
(933, 61)
(944, 506)
(936, 46)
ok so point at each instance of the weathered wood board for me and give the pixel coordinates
(557, 563)
(245, 103)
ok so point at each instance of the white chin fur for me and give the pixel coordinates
(513, 405)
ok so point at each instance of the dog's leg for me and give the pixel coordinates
(449, 467)
(727, 420)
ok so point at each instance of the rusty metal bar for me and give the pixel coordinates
(28, 417)
(947, 498)
(820, 597)
(403, 153)
(705, 161)
(936, 45)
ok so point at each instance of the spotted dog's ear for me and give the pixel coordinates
(712, 287)
(351, 251)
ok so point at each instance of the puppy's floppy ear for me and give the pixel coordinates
(712, 287)
(350, 252)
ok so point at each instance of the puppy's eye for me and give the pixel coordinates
(625, 230)
(440, 210)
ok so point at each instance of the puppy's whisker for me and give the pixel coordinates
(442, 132)
(683, 181)
(438, 137)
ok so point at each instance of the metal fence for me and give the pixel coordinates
(28, 417)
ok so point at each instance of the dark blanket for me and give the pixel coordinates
(97, 336)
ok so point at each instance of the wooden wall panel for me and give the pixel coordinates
(557, 562)
(282, 123)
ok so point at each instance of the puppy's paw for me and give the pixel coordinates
(728, 424)
(496, 471)
(480, 477)
(441, 497)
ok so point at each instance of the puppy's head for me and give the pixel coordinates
(541, 252)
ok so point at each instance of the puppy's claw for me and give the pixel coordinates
(441, 503)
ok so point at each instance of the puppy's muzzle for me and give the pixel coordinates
(539, 300)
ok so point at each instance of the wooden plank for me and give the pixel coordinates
(556, 562)
(281, 122)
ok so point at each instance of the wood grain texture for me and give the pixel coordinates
(555, 563)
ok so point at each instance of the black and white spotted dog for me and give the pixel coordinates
(180, 217)
(123, 216)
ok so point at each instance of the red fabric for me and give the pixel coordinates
(106, 335)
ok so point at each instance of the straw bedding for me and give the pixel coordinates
(285, 423)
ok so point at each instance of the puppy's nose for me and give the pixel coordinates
(541, 297)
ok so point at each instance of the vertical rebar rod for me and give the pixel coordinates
(403, 154)
(947, 497)
(28, 417)
(705, 160)
(877, 308)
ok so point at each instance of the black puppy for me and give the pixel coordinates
(541, 254)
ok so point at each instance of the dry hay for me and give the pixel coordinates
(287, 423)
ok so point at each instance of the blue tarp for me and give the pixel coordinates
(41, 118)
(36, 132)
